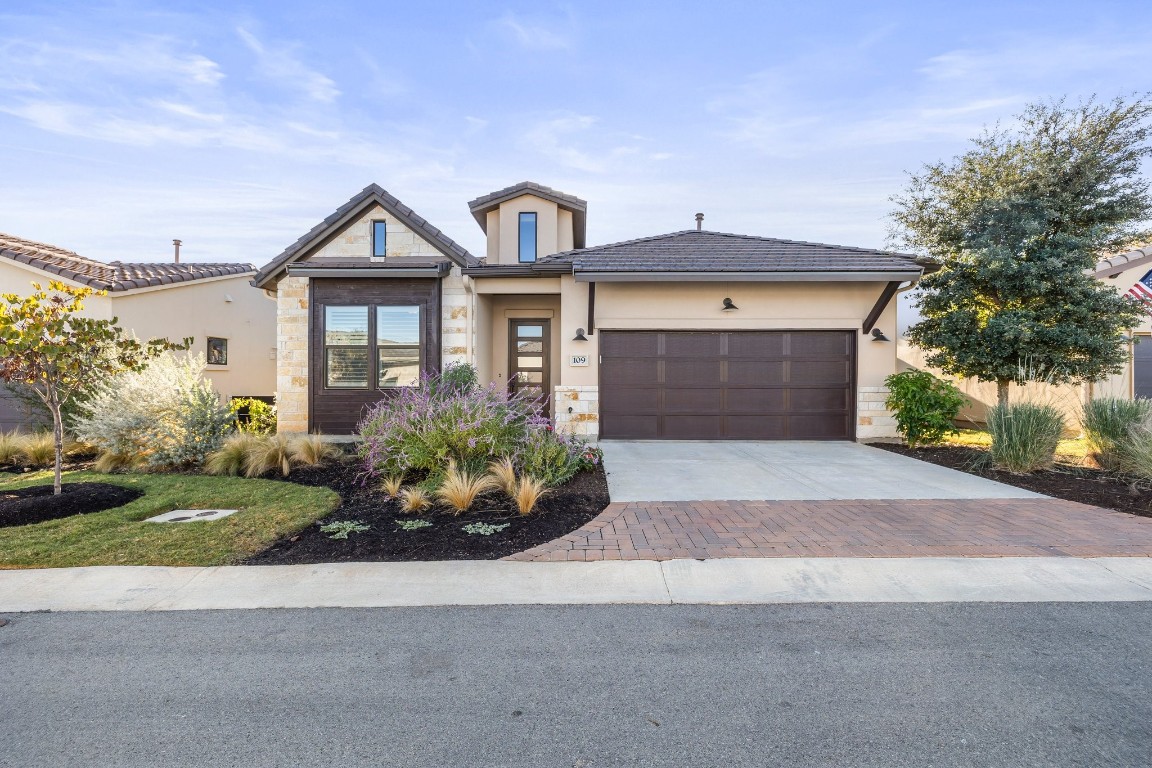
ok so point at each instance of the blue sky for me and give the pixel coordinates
(237, 126)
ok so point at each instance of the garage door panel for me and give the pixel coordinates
(753, 401)
(633, 400)
(695, 427)
(633, 371)
(701, 345)
(755, 372)
(692, 373)
(756, 344)
(743, 385)
(817, 372)
(692, 400)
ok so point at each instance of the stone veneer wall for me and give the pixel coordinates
(873, 420)
(584, 419)
(292, 355)
(453, 319)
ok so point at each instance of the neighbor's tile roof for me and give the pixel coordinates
(702, 251)
(114, 276)
(1124, 261)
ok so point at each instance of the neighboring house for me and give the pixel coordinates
(689, 335)
(1123, 271)
(231, 324)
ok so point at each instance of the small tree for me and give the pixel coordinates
(46, 345)
(1018, 224)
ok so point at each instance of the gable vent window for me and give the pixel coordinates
(527, 237)
(379, 239)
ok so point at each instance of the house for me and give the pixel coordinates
(1131, 271)
(233, 326)
(689, 335)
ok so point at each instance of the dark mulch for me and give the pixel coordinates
(24, 506)
(561, 511)
(1064, 481)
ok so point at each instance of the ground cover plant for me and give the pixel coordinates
(269, 511)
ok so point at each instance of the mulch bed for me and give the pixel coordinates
(559, 512)
(1064, 481)
(25, 506)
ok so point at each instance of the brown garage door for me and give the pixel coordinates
(741, 385)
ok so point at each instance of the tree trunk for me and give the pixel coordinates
(1002, 391)
(58, 437)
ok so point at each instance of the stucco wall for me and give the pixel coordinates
(507, 246)
(505, 308)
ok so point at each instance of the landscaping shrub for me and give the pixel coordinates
(552, 458)
(37, 449)
(456, 378)
(925, 406)
(9, 446)
(251, 415)
(527, 492)
(232, 456)
(460, 488)
(414, 499)
(166, 413)
(313, 450)
(504, 474)
(270, 452)
(426, 427)
(1133, 454)
(1024, 436)
(1109, 423)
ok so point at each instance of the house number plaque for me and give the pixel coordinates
(579, 360)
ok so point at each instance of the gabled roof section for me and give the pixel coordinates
(373, 194)
(1114, 265)
(115, 276)
(481, 206)
(696, 251)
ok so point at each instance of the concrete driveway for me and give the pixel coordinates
(670, 470)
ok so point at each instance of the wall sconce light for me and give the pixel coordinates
(580, 335)
(728, 306)
(878, 335)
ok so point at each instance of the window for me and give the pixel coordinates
(397, 347)
(379, 239)
(346, 347)
(217, 351)
(527, 237)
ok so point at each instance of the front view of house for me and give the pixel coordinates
(693, 335)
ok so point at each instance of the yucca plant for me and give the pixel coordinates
(504, 475)
(313, 450)
(113, 461)
(9, 446)
(528, 492)
(414, 499)
(460, 488)
(1024, 436)
(391, 485)
(231, 458)
(37, 450)
(1108, 423)
(267, 453)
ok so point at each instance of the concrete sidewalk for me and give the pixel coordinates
(736, 580)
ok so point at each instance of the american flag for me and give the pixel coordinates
(1142, 291)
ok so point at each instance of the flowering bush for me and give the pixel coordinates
(450, 419)
(166, 414)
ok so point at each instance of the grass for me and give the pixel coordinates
(269, 510)
(1071, 451)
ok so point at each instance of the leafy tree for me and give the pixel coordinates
(1018, 223)
(47, 346)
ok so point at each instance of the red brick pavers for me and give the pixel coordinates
(888, 528)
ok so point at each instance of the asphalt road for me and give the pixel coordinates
(802, 685)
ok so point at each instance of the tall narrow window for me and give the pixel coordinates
(379, 239)
(527, 237)
(346, 362)
(397, 347)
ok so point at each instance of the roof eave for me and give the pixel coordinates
(593, 276)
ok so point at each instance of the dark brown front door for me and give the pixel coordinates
(529, 348)
(740, 385)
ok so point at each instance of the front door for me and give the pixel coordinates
(529, 350)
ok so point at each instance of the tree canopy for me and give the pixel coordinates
(1018, 223)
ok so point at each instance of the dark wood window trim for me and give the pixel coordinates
(419, 346)
(520, 237)
(545, 368)
(379, 224)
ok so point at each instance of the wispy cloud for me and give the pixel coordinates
(537, 34)
(279, 64)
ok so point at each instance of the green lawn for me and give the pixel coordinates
(268, 511)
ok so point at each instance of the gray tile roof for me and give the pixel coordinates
(114, 276)
(702, 251)
(579, 208)
(373, 193)
(1124, 261)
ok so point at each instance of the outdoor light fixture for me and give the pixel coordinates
(580, 335)
(878, 335)
(728, 306)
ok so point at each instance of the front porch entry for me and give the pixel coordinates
(529, 358)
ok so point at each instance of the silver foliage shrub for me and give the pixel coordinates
(167, 414)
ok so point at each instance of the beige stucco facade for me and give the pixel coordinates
(223, 307)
